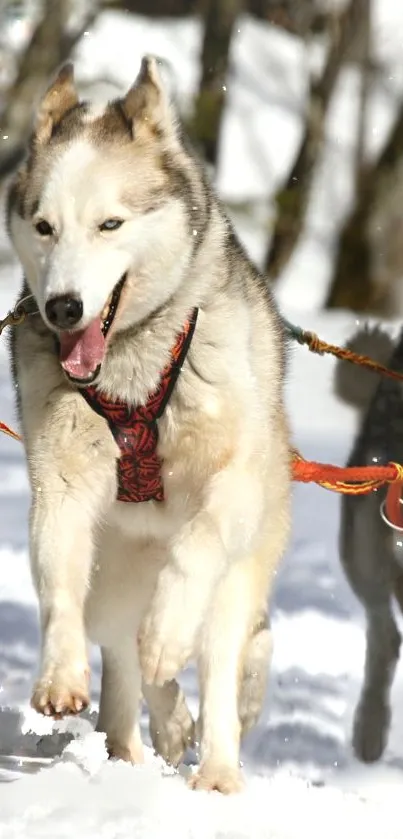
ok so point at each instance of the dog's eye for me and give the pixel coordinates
(44, 228)
(111, 224)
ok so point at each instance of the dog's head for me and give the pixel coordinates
(100, 214)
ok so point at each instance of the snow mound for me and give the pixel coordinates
(83, 794)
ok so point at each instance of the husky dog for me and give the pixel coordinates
(150, 387)
(371, 551)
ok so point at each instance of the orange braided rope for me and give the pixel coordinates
(316, 345)
(7, 430)
(351, 480)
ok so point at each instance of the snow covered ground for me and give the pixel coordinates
(302, 779)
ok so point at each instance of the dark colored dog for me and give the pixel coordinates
(371, 551)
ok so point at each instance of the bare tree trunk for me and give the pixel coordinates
(50, 46)
(292, 200)
(220, 19)
(352, 286)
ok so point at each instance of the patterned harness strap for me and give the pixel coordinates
(135, 429)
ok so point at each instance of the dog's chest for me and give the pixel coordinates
(135, 428)
(151, 521)
(135, 431)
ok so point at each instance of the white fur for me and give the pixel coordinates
(154, 584)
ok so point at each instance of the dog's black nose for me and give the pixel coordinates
(64, 311)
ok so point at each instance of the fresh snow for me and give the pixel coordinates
(302, 779)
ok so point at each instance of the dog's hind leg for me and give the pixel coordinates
(172, 727)
(254, 671)
(256, 664)
(228, 653)
(369, 565)
(120, 701)
(372, 716)
(398, 586)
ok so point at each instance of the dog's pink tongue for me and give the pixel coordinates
(82, 352)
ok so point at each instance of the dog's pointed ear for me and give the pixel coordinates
(60, 97)
(146, 105)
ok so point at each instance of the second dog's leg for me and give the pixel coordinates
(120, 701)
(372, 717)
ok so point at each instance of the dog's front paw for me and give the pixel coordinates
(61, 691)
(163, 650)
(214, 777)
(167, 635)
(172, 735)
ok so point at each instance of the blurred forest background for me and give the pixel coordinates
(336, 42)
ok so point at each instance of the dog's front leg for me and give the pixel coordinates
(73, 480)
(61, 550)
(209, 601)
(168, 632)
(199, 556)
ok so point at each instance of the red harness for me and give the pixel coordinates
(135, 428)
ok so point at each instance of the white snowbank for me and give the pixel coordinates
(83, 795)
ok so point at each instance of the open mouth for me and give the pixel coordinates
(82, 352)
